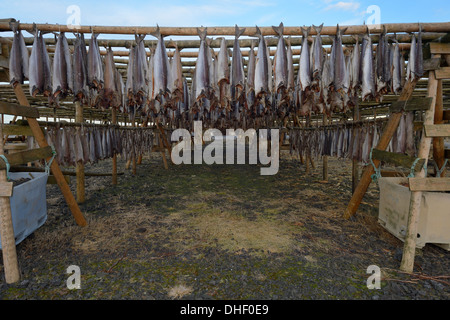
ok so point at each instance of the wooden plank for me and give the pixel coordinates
(18, 110)
(429, 184)
(397, 159)
(431, 64)
(26, 156)
(409, 247)
(439, 48)
(438, 142)
(6, 189)
(15, 130)
(437, 130)
(443, 73)
(56, 170)
(413, 104)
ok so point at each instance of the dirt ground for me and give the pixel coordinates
(221, 232)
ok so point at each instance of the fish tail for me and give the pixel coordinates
(279, 30)
(202, 33)
(238, 32)
(318, 29)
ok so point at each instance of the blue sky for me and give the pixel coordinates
(224, 12)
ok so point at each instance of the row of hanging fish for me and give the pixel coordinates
(91, 144)
(352, 141)
(221, 93)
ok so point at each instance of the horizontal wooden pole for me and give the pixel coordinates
(26, 156)
(218, 30)
(429, 184)
(15, 130)
(437, 130)
(431, 64)
(18, 110)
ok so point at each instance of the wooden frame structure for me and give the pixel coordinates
(433, 33)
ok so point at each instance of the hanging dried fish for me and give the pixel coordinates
(39, 66)
(95, 65)
(280, 63)
(80, 88)
(18, 61)
(317, 59)
(62, 69)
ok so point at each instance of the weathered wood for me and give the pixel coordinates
(23, 157)
(6, 189)
(9, 253)
(249, 31)
(443, 73)
(79, 167)
(409, 247)
(438, 142)
(15, 130)
(397, 159)
(429, 184)
(439, 48)
(437, 130)
(18, 110)
(383, 142)
(42, 142)
(114, 158)
(413, 104)
(431, 64)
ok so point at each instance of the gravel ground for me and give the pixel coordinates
(221, 232)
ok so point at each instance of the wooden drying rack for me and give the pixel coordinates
(434, 131)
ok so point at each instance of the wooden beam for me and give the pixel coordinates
(438, 142)
(431, 64)
(9, 253)
(429, 184)
(383, 142)
(23, 157)
(443, 73)
(437, 130)
(114, 159)
(6, 189)
(397, 159)
(413, 104)
(439, 48)
(18, 110)
(79, 167)
(15, 130)
(40, 139)
(409, 247)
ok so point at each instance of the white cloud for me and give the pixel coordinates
(345, 6)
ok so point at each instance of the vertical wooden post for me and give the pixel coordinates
(133, 159)
(307, 125)
(355, 163)
(325, 158)
(391, 127)
(438, 142)
(79, 168)
(9, 253)
(409, 247)
(114, 159)
(56, 170)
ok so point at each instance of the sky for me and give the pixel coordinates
(179, 13)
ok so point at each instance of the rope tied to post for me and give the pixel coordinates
(377, 173)
(439, 171)
(411, 172)
(7, 165)
(48, 164)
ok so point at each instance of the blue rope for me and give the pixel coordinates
(47, 165)
(7, 165)
(377, 173)
(439, 171)
(411, 173)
